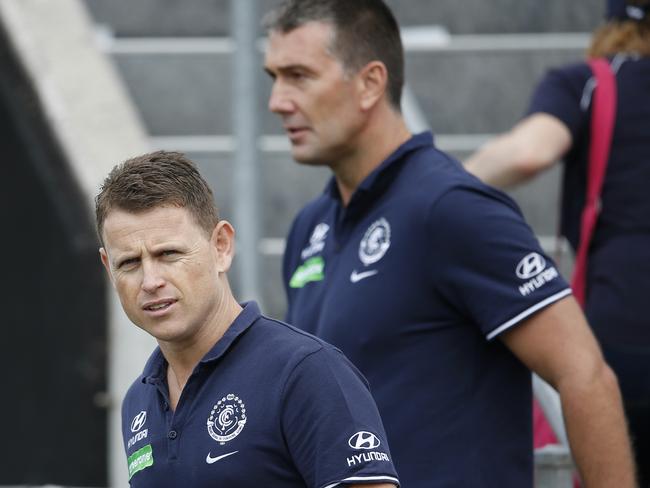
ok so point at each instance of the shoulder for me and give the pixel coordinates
(574, 74)
(285, 342)
(472, 208)
(569, 79)
(438, 184)
(294, 353)
(565, 93)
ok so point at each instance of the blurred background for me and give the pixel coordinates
(87, 84)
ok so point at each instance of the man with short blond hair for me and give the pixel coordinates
(229, 397)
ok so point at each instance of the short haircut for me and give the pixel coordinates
(153, 180)
(364, 31)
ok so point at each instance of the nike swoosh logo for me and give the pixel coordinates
(211, 460)
(356, 277)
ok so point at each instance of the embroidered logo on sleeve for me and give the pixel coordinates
(136, 424)
(316, 241)
(140, 459)
(533, 268)
(367, 442)
(311, 270)
(364, 440)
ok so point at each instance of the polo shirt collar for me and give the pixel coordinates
(370, 183)
(154, 370)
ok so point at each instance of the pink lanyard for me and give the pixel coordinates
(602, 128)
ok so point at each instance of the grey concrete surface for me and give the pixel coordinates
(459, 92)
(478, 92)
(211, 17)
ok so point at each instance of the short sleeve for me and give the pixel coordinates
(332, 426)
(565, 94)
(486, 261)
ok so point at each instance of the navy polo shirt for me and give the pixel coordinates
(269, 405)
(413, 280)
(619, 260)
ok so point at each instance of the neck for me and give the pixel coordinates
(182, 357)
(384, 132)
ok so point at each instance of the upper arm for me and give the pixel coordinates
(329, 419)
(489, 267)
(556, 342)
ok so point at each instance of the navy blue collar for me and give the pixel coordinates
(371, 182)
(156, 367)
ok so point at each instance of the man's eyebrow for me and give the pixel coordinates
(288, 67)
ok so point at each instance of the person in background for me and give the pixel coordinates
(229, 398)
(427, 279)
(556, 128)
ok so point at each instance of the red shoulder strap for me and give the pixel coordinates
(603, 115)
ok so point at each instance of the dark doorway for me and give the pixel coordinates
(53, 310)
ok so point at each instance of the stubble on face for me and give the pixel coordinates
(164, 272)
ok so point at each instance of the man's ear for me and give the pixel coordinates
(106, 262)
(373, 80)
(223, 241)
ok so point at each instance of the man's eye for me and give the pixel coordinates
(128, 263)
(170, 252)
(297, 75)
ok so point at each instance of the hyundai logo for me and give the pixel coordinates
(364, 440)
(138, 421)
(530, 266)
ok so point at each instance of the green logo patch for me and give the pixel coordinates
(311, 270)
(140, 459)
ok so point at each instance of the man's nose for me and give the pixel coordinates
(152, 278)
(279, 101)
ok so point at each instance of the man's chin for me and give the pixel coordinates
(301, 157)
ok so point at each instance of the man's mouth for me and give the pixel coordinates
(158, 305)
(295, 132)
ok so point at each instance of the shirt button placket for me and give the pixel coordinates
(172, 444)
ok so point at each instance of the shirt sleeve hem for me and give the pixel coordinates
(364, 479)
(526, 313)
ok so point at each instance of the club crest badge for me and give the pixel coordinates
(227, 418)
(375, 242)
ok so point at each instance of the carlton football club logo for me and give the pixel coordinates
(227, 419)
(532, 265)
(375, 242)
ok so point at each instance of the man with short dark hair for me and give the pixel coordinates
(229, 398)
(427, 279)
